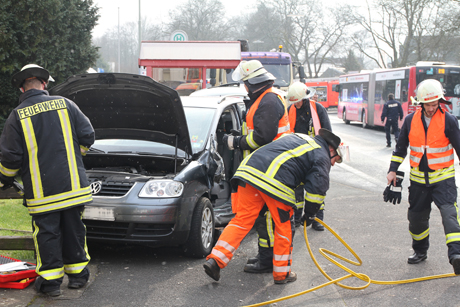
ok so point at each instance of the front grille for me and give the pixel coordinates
(115, 189)
(117, 230)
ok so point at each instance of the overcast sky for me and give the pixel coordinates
(156, 10)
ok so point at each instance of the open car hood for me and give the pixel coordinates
(129, 106)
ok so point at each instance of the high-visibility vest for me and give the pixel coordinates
(314, 116)
(439, 151)
(283, 124)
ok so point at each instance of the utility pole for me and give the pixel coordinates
(118, 39)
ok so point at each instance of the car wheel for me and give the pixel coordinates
(344, 117)
(363, 119)
(201, 239)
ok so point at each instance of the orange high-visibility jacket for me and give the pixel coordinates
(314, 116)
(439, 151)
(283, 124)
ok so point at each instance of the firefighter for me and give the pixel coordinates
(432, 135)
(43, 141)
(392, 110)
(306, 116)
(266, 117)
(269, 176)
(265, 120)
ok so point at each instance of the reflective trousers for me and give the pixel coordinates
(60, 245)
(250, 202)
(444, 195)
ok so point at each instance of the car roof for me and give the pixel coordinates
(215, 102)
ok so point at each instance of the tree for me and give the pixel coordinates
(202, 20)
(55, 34)
(129, 45)
(396, 29)
(309, 32)
(351, 63)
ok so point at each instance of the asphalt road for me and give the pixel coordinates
(377, 231)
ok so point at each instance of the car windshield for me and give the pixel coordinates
(198, 120)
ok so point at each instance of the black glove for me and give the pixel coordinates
(393, 193)
(310, 210)
(6, 182)
(232, 141)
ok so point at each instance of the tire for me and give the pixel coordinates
(202, 230)
(344, 117)
(363, 120)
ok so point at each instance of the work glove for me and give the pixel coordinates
(393, 193)
(310, 210)
(232, 141)
(6, 182)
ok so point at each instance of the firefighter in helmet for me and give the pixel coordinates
(43, 141)
(432, 135)
(266, 120)
(268, 177)
(306, 116)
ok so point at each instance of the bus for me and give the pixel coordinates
(326, 91)
(363, 95)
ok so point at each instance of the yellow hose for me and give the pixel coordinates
(351, 273)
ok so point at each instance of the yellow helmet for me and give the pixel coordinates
(429, 90)
(252, 71)
(299, 91)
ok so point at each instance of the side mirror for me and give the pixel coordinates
(336, 88)
(302, 75)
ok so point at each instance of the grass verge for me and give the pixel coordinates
(15, 221)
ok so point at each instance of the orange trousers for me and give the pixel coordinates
(249, 203)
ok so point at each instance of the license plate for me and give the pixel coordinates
(98, 213)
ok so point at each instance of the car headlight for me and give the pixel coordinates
(162, 188)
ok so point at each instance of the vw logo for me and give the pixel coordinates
(96, 187)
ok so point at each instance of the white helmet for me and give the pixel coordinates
(252, 71)
(299, 91)
(30, 71)
(429, 90)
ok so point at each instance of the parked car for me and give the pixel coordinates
(158, 170)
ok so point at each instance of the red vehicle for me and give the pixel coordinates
(363, 95)
(326, 91)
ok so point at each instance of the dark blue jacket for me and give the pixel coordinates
(391, 109)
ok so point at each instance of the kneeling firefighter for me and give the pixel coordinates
(307, 117)
(269, 177)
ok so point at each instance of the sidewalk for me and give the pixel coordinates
(30, 297)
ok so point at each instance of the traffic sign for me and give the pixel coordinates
(179, 36)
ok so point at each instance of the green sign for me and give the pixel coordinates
(179, 36)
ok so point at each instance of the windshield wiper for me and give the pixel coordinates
(95, 150)
(119, 152)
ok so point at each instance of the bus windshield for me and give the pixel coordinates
(282, 73)
(449, 78)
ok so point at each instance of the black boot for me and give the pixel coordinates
(253, 260)
(417, 257)
(455, 261)
(77, 281)
(212, 269)
(258, 267)
(47, 287)
(316, 225)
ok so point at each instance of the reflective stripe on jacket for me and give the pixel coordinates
(434, 143)
(280, 166)
(283, 124)
(42, 142)
(314, 116)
